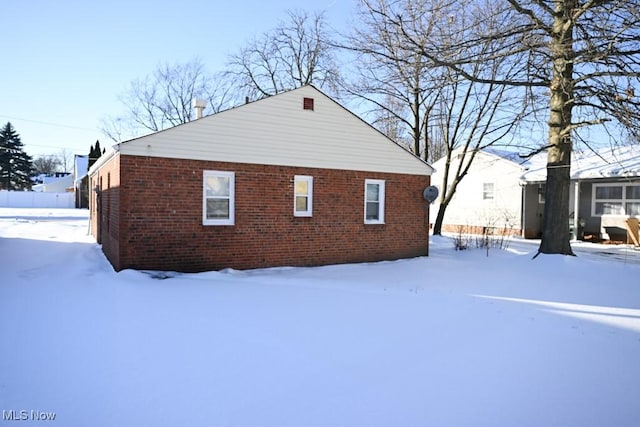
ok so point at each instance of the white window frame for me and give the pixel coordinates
(232, 178)
(488, 194)
(622, 201)
(309, 211)
(630, 200)
(381, 198)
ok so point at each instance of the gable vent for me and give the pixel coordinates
(307, 104)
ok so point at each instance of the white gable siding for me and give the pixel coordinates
(277, 131)
(468, 208)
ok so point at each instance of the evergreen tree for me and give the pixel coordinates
(95, 153)
(15, 165)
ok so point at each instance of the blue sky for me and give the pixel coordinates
(64, 63)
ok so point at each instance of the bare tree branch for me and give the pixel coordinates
(295, 53)
(164, 99)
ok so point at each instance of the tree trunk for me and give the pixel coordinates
(555, 222)
(416, 121)
(437, 226)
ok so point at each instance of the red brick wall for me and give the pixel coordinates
(160, 221)
(105, 223)
(476, 229)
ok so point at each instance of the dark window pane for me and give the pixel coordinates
(301, 204)
(217, 209)
(633, 192)
(614, 193)
(372, 211)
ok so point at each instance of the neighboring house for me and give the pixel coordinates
(81, 180)
(65, 182)
(605, 191)
(58, 182)
(488, 197)
(293, 179)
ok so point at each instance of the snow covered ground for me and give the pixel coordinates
(454, 339)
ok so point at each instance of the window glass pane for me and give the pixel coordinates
(302, 187)
(487, 191)
(372, 210)
(301, 203)
(217, 186)
(217, 209)
(609, 192)
(633, 192)
(542, 191)
(373, 192)
(608, 208)
(633, 209)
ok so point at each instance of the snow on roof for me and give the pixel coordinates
(512, 156)
(610, 162)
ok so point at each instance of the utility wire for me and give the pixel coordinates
(48, 123)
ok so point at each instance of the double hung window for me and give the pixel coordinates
(616, 199)
(374, 201)
(218, 198)
(303, 195)
(488, 192)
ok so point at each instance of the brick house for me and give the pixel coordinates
(294, 179)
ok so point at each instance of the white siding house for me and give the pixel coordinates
(488, 196)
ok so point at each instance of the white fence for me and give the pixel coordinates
(35, 199)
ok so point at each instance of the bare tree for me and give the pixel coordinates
(164, 99)
(295, 53)
(584, 54)
(47, 164)
(441, 111)
(118, 128)
(472, 117)
(66, 159)
(400, 87)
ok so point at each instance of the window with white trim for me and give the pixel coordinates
(374, 201)
(218, 203)
(487, 191)
(632, 200)
(303, 195)
(616, 199)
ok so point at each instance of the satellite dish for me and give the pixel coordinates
(430, 193)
